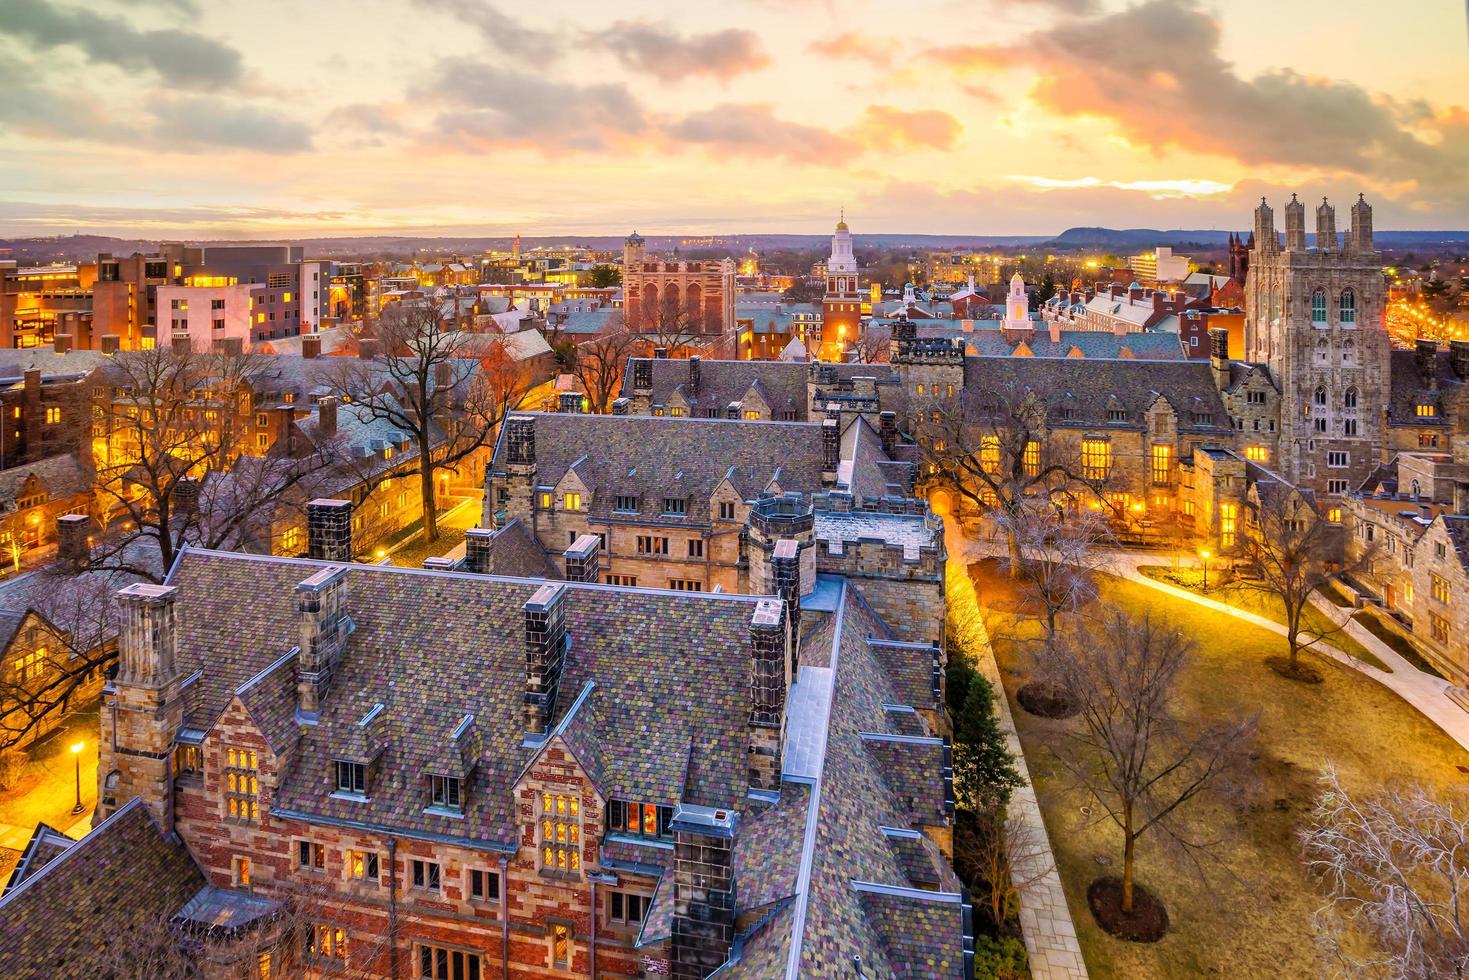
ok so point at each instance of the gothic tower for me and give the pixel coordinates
(1316, 316)
(841, 307)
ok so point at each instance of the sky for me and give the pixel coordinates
(211, 118)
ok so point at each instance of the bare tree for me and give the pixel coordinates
(173, 423)
(1130, 750)
(997, 457)
(998, 859)
(869, 347)
(671, 326)
(1396, 863)
(1288, 551)
(432, 382)
(1061, 554)
(600, 362)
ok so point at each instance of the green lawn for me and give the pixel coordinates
(1314, 622)
(1251, 917)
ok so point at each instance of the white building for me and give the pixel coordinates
(1160, 265)
(206, 314)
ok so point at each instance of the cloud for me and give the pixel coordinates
(183, 58)
(498, 105)
(1168, 87)
(890, 128)
(192, 123)
(499, 28)
(672, 57)
(851, 45)
(743, 129)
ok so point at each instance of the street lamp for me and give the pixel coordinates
(1204, 554)
(76, 753)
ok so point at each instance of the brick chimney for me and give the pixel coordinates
(311, 346)
(111, 343)
(182, 343)
(769, 680)
(887, 428)
(1219, 356)
(326, 416)
(325, 626)
(584, 559)
(283, 419)
(479, 550)
(1459, 358)
(694, 374)
(367, 348)
(545, 653)
(703, 890)
(831, 450)
(72, 545)
(329, 530)
(61, 343)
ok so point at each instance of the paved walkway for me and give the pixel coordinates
(1045, 918)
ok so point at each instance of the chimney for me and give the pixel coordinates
(1425, 353)
(520, 439)
(569, 402)
(694, 374)
(329, 530)
(660, 352)
(620, 406)
(443, 374)
(732, 410)
(1459, 358)
(642, 374)
(186, 497)
(769, 680)
(111, 343)
(326, 417)
(1115, 290)
(182, 343)
(325, 626)
(61, 343)
(148, 642)
(367, 348)
(887, 428)
(584, 559)
(72, 545)
(283, 421)
(785, 572)
(1134, 293)
(545, 652)
(311, 346)
(1055, 331)
(831, 450)
(1326, 228)
(1219, 356)
(703, 890)
(479, 550)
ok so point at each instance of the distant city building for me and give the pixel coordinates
(1159, 265)
(693, 299)
(841, 306)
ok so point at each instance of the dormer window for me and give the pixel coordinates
(1427, 411)
(675, 505)
(351, 778)
(641, 819)
(446, 792)
(1117, 415)
(627, 503)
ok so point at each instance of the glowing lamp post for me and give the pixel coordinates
(76, 754)
(1204, 556)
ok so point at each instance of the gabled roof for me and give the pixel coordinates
(1412, 386)
(782, 384)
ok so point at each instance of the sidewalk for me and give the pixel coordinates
(1045, 918)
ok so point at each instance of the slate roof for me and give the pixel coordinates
(1091, 388)
(15, 362)
(46, 845)
(1412, 386)
(117, 883)
(654, 458)
(515, 551)
(663, 659)
(63, 476)
(782, 384)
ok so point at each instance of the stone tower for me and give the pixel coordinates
(1315, 315)
(143, 708)
(841, 307)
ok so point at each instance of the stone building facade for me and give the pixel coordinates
(693, 301)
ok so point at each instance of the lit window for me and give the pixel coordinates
(1096, 459)
(291, 539)
(310, 856)
(242, 785)
(1162, 463)
(326, 943)
(1333, 515)
(642, 819)
(1440, 589)
(53, 415)
(560, 832)
(752, 416)
(561, 946)
(362, 865)
(1427, 411)
(242, 872)
(572, 501)
(28, 666)
(546, 501)
(989, 454)
(1032, 460)
(188, 760)
(1228, 523)
(1256, 454)
(387, 452)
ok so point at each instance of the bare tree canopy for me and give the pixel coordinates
(447, 389)
(1396, 863)
(598, 363)
(1061, 554)
(1129, 748)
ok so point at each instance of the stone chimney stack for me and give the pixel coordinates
(329, 530)
(545, 653)
(660, 352)
(479, 551)
(1265, 237)
(642, 374)
(326, 417)
(311, 346)
(569, 403)
(1326, 240)
(694, 374)
(769, 681)
(703, 890)
(831, 449)
(620, 406)
(72, 545)
(732, 410)
(520, 470)
(584, 559)
(1295, 226)
(1425, 354)
(1219, 356)
(887, 428)
(186, 497)
(1361, 233)
(111, 343)
(1459, 360)
(785, 571)
(325, 626)
(135, 751)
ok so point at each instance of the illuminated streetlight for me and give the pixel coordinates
(1204, 554)
(76, 753)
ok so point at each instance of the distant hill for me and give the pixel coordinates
(1135, 239)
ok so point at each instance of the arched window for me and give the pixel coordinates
(1319, 397)
(1348, 306)
(1348, 352)
(1318, 307)
(1349, 400)
(1323, 350)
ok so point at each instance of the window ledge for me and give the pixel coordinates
(560, 875)
(350, 797)
(441, 811)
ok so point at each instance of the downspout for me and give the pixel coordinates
(393, 908)
(505, 919)
(592, 943)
